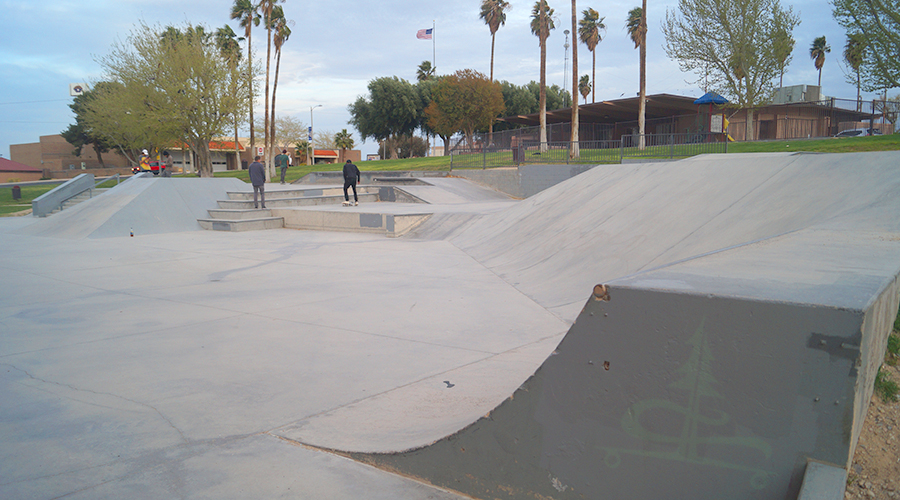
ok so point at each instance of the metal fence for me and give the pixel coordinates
(648, 146)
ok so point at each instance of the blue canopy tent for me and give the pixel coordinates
(711, 99)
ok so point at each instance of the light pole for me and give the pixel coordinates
(309, 141)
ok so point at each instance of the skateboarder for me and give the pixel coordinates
(351, 177)
(258, 179)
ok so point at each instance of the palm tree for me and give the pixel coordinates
(584, 87)
(817, 52)
(636, 25)
(227, 41)
(590, 32)
(425, 71)
(541, 24)
(493, 12)
(282, 33)
(267, 6)
(854, 53)
(343, 140)
(573, 122)
(247, 15)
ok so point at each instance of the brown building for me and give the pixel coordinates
(56, 158)
(673, 114)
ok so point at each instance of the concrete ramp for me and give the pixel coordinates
(666, 394)
(141, 205)
(617, 220)
(744, 311)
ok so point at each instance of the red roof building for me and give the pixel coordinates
(13, 171)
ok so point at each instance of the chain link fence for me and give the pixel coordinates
(648, 146)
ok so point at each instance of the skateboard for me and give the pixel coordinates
(349, 203)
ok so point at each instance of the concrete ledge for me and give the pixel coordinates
(823, 481)
(242, 224)
(296, 202)
(300, 192)
(237, 213)
(351, 221)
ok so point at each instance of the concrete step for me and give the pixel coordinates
(71, 202)
(300, 192)
(303, 201)
(352, 220)
(239, 213)
(242, 224)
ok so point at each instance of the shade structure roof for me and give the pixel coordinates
(615, 110)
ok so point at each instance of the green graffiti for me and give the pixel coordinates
(696, 378)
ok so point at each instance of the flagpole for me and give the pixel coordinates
(433, 62)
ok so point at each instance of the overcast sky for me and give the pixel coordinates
(338, 46)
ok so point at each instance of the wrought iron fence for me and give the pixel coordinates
(649, 146)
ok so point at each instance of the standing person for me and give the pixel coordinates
(351, 177)
(167, 165)
(282, 161)
(145, 160)
(258, 179)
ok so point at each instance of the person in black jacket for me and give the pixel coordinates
(351, 177)
(258, 179)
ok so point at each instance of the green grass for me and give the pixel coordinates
(29, 193)
(886, 388)
(827, 145)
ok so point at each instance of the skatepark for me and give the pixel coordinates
(706, 328)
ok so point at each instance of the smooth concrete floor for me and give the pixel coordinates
(195, 364)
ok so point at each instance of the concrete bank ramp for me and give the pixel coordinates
(746, 308)
(141, 205)
(617, 220)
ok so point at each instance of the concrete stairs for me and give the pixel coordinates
(237, 212)
(231, 219)
(75, 200)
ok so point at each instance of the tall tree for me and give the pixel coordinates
(392, 109)
(573, 138)
(282, 33)
(590, 31)
(730, 41)
(424, 71)
(854, 54)
(584, 87)
(344, 141)
(541, 25)
(227, 41)
(465, 101)
(878, 21)
(636, 25)
(493, 12)
(171, 89)
(817, 52)
(79, 134)
(782, 45)
(247, 14)
(266, 7)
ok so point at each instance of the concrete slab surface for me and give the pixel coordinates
(163, 365)
(200, 364)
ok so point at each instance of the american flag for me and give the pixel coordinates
(424, 34)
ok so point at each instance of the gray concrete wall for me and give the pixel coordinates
(524, 181)
(653, 392)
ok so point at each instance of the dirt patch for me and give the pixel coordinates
(875, 473)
